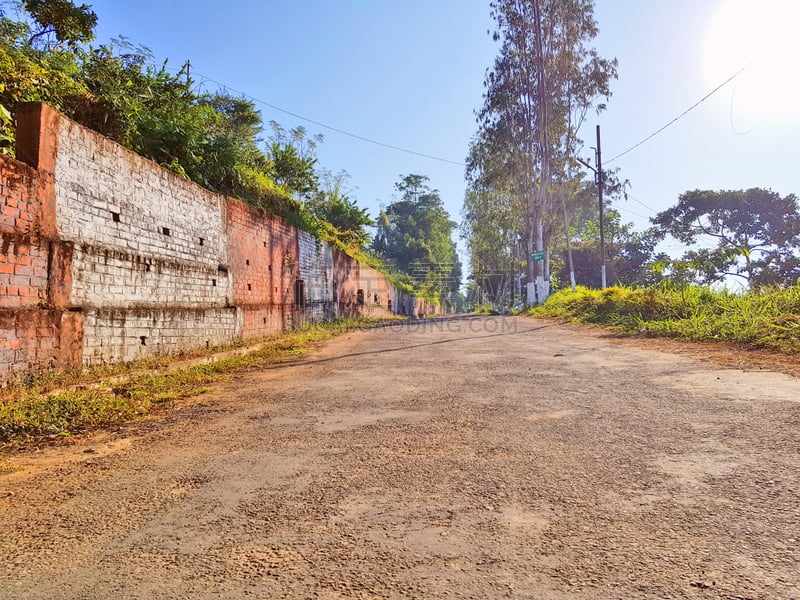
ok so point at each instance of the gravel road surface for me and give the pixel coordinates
(477, 457)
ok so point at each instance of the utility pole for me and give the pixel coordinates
(599, 172)
(569, 246)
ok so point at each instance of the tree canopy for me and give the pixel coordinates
(333, 205)
(751, 234)
(414, 236)
(60, 19)
(631, 256)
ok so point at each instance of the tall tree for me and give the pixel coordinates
(489, 225)
(294, 159)
(755, 234)
(543, 82)
(414, 235)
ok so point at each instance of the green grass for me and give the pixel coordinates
(56, 406)
(767, 318)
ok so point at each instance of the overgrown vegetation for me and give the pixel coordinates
(212, 138)
(768, 317)
(63, 405)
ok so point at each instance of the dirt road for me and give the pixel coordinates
(472, 458)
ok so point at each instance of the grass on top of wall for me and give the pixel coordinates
(766, 318)
(60, 406)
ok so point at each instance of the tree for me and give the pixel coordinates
(489, 224)
(294, 160)
(538, 92)
(414, 235)
(332, 204)
(754, 234)
(30, 71)
(62, 20)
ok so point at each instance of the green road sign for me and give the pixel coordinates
(536, 256)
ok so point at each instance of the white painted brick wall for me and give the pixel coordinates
(108, 278)
(316, 268)
(148, 247)
(125, 335)
(96, 179)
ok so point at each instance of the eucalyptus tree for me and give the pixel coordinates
(544, 80)
(491, 217)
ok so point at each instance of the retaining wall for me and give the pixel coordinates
(105, 256)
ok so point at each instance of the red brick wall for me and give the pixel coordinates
(346, 278)
(262, 256)
(23, 255)
(23, 271)
(19, 209)
(35, 267)
(30, 333)
(37, 339)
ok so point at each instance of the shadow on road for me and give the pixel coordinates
(423, 325)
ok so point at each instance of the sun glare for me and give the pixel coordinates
(761, 35)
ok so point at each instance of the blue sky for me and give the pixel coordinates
(410, 74)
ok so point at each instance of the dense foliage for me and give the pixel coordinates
(754, 235)
(632, 257)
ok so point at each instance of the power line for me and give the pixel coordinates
(331, 128)
(635, 199)
(687, 111)
(626, 210)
